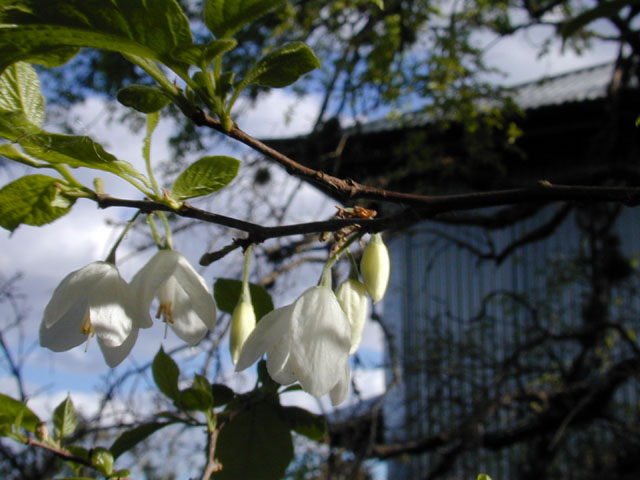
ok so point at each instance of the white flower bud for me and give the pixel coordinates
(352, 296)
(375, 267)
(243, 321)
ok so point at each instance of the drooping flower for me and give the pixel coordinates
(307, 341)
(186, 304)
(93, 300)
(375, 267)
(352, 296)
(243, 321)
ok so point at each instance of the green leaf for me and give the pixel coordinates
(227, 291)
(207, 175)
(130, 438)
(255, 444)
(226, 17)
(11, 409)
(602, 10)
(165, 374)
(139, 27)
(312, 426)
(143, 98)
(75, 151)
(10, 151)
(282, 66)
(221, 394)
(203, 55)
(378, 3)
(200, 382)
(20, 92)
(195, 399)
(483, 476)
(102, 459)
(15, 125)
(32, 200)
(65, 419)
(268, 383)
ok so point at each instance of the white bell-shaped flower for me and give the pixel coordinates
(93, 300)
(375, 267)
(185, 301)
(353, 298)
(243, 321)
(307, 341)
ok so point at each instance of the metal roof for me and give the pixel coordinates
(579, 85)
(588, 83)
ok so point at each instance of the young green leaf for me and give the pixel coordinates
(143, 98)
(12, 408)
(195, 399)
(255, 444)
(207, 175)
(130, 438)
(65, 419)
(226, 291)
(32, 200)
(302, 421)
(226, 17)
(165, 374)
(282, 66)
(102, 460)
(138, 27)
(20, 92)
(203, 55)
(75, 151)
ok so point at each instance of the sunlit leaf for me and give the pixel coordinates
(282, 67)
(143, 98)
(11, 408)
(20, 92)
(32, 200)
(65, 419)
(207, 175)
(39, 28)
(226, 17)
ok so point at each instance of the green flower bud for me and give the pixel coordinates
(243, 321)
(375, 267)
(352, 296)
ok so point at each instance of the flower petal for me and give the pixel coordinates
(274, 327)
(352, 296)
(74, 289)
(66, 333)
(339, 392)
(199, 297)
(114, 355)
(146, 283)
(321, 340)
(109, 306)
(187, 324)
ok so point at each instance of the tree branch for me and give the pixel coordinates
(425, 206)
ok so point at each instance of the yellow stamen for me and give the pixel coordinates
(166, 311)
(87, 329)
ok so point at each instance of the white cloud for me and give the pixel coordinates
(280, 113)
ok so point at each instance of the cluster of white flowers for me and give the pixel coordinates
(310, 340)
(95, 300)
